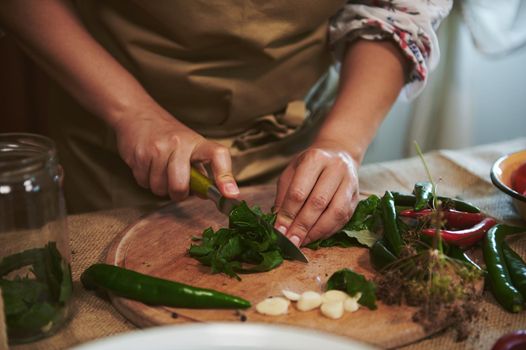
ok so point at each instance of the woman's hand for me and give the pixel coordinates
(159, 151)
(157, 147)
(317, 193)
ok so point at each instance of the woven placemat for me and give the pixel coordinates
(3, 331)
(460, 173)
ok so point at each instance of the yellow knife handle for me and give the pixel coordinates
(199, 183)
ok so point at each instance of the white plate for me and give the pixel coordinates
(222, 336)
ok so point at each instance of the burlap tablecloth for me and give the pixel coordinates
(463, 173)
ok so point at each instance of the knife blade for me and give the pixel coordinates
(205, 187)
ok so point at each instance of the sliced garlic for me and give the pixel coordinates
(351, 304)
(334, 295)
(308, 301)
(273, 306)
(332, 309)
(292, 296)
(357, 296)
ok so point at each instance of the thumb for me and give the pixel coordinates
(221, 164)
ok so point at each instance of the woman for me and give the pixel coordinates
(243, 86)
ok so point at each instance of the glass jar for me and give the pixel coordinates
(35, 275)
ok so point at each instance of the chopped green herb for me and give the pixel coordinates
(246, 246)
(35, 301)
(352, 283)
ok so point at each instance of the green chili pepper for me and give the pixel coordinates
(381, 256)
(391, 232)
(460, 255)
(499, 277)
(409, 200)
(156, 291)
(423, 192)
(516, 267)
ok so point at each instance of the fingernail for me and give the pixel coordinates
(295, 240)
(281, 229)
(231, 188)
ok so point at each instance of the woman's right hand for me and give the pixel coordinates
(159, 150)
(157, 147)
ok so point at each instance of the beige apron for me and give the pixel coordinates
(236, 71)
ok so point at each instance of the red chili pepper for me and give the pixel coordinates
(511, 341)
(454, 219)
(466, 237)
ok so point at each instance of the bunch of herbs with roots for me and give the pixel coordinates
(442, 288)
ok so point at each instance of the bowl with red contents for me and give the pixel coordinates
(509, 175)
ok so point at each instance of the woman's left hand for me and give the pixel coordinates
(317, 193)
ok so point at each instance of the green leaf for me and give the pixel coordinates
(66, 287)
(360, 230)
(364, 214)
(364, 237)
(20, 294)
(339, 239)
(39, 315)
(270, 260)
(352, 283)
(14, 262)
(246, 241)
(34, 302)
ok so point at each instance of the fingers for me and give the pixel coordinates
(317, 195)
(337, 214)
(304, 179)
(178, 171)
(140, 165)
(159, 151)
(221, 164)
(316, 204)
(282, 187)
(158, 178)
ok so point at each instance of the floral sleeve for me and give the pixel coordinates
(410, 23)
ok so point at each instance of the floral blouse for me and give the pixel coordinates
(410, 23)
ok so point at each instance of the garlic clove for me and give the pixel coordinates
(351, 304)
(292, 296)
(332, 309)
(308, 301)
(273, 306)
(334, 295)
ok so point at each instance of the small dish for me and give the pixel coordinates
(501, 173)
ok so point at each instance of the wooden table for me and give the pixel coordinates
(463, 172)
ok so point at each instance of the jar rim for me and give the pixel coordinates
(39, 149)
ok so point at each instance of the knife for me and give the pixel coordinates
(203, 186)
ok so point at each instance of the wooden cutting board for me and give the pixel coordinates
(157, 245)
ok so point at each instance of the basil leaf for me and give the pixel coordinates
(246, 241)
(352, 283)
(38, 316)
(270, 260)
(364, 237)
(20, 293)
(360, 230)
(36, 300)
(363, 217)
(339, 239)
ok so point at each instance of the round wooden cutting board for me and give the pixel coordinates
(157, 245)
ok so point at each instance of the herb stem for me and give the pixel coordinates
(433, 188)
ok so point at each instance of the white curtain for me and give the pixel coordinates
(442, 117)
